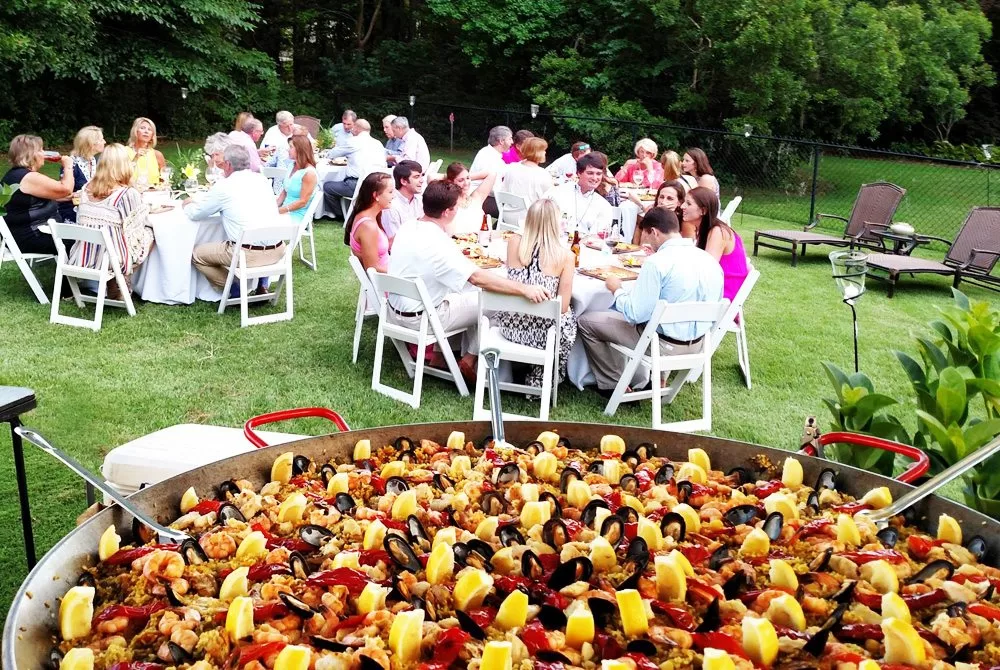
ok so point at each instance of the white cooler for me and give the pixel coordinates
(171, 451)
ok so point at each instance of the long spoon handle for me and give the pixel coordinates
(492, 358)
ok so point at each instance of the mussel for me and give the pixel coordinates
(958, 609)
(192, 552)
(344, 503)
(315, 535)
(86, 579)
(773, 524)
(552, 617)
(534, 447)
(55, 659)
(628, 514)
(568, 474)
(821, 561)
(589, 513)
(442, 482)
(173, 598)
(296, 605)
(646, 450)
(365, 465)
(509, 535)
(555, 534)
(737, 585)
(403, 443)
(328, 644)
(300, 567)
(637, 547)
(401, 552)
(493, 503)
(417, 535)
(300, 465)
(551, 656)
(408, 456)
(427, 606)
(469, 625)
(633, 565)
(228, 511)
(628, 483)
(229, 487)
(719, 557)
(672, 525)
(603, 610)
(396, 485)
(712, 619)
(827, 479)
(143, 534)
(640, 646)
(555, 509)
(531, 565)
(977, 547)
(631, 459)
(812, 502)
(596, 467)
(179, 654)
(486, 443)
(742, 475)
(888, 536)
(366, 662)
(931, 569)
(564, 442)
(578, 569)
(817, 643)
(479, 555)
(326, 473)
(613, 530)
(684, 490)
(741, 514)
(508, 473)
(664, 474)
(846, 592)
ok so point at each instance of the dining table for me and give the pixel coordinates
(328, 170)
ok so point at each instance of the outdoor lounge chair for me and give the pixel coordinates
(310, 123)
(874, 207)
(971, 256)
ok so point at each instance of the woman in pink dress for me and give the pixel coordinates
(363, 229)
(717, 238)
(644, 163)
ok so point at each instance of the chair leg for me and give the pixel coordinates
(706, 394)
(756, 242)
(225, 293)
(547, 374)
(479, 413)
(656, 387)
(377, 363)
(743, 350)
(56, 295)
(795, 254)
(244, 303)
(32, 280)
(102, 290)
(418, 374)
(893, 277)
(359, 318)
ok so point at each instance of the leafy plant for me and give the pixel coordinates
(324, 139)
(5, 192)
(185, 157)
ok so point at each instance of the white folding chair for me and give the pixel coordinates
(490, 337)
(347, 204)
(10, 252)
(277, 176)
(727, 213)
(512, 210)
(247, 275)
(369, 301)
(681, 364)
(432, 170)
(734, 322)
(306, 229)
(109, 268)
(415, 290)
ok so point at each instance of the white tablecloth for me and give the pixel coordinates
(326, 172)
(168, 275)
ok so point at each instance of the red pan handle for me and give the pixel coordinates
(285, 415)
(921, 463)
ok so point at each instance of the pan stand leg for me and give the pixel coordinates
(22, 495)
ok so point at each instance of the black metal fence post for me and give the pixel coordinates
(815, 180)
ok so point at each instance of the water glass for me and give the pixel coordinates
(849, 270)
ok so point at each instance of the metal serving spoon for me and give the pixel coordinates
(492, 358)
(101, 484)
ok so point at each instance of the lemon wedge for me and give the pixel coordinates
(685, 564)
(253, 545)
(895, 607)
(544, 466)
(902, 643)
(375, 535)
(760, 641)
(372, 598)
(405, 635)
(756, 543)
(613, 471)
(782, 574)
(650, 532)
(549, 440)
(869, 664)
(535, 513)
(847, 531)
(791, 473)
(497, 656)
(615, 665)
(347, 559)
(716, 659)
(281, 470)
(949, 530)
(579, 628)
(700, 458)
(76, 612)
(441, 563)
(513, 610)
(634, 503)
(693, 473)
(460, 465)
(362, 450)
(487, 528)
(602, 554)
(456, 440)
(339, 483)
(578, 493)
(633, 613)
(393, 469)
(878, 497)
(529, 492)
(446, 535)
(785, 610)
(292, 507)
(612, 444)
(404, 505)
(80, 658)
(671, 581)
(109, 543)
(472, 586)
(781, 502)
(239, 618)
(881, 575)
(189, 500)
(692, 522)
(235, 584)
(293, 657)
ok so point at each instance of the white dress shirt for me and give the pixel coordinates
(488, 160)
(415, 149)
(421, 249)
(365, 154)
(587, 212)
(401, 211)
(244, 199)
(528, 181)
(563, 165)
(678, 272)
(275, 138)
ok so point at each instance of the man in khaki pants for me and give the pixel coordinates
(245, 200)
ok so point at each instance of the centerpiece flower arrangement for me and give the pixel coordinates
(186, 170)
(190, 173)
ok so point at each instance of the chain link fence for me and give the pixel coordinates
(788, 181)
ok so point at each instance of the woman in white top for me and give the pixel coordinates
(527, 178)
(695, 163)
(469, 218)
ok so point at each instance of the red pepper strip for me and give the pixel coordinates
(290, 543)
(448, 646)
(510, 584)
(847, 657)
(860, 631)
(354, 580)
(493, 457)
(206, 506)
(862, 557)
(631, 530)
(646, 479)
(869, 599)
(606, 646)
(915, 602)
(991, 612)
(255, 652)
(852, 508)
(791, 633)
(695, 553)
(129, 612)
(920, 546)
(391, 523)
(716, 640)
(767, 488)
(641, 661)
(136, 665)
(262, 571)
(574, 527)
(549, 561)
(483, 616)
(680, 617)
(124, 556)
(269, 610)
(547, 665)
(658, 513)
(534, 638)
(378, 484)
(302, 481)
(811, 528)
(700, 593)
(614, 500)
(351, 622)
(373, 556)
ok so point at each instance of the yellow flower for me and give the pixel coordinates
(190, 171)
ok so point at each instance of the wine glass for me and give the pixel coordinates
(165, 174)
(637, 177)
(142, 180)
(212, 174)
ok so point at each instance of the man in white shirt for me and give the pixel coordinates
(583, 208)
(245, 200)
(277, 136)
(407, 203)
(342, 131)
(364, 153)
(414, 148)
(566, 164)
(422, 249)
(490, 159)
(678, 272)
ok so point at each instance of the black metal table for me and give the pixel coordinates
(902, 245)
(15, 401)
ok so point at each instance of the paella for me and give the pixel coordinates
(546, 555)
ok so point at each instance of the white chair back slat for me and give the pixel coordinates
(248, 276)
(511, 208)
(348, 207)
(9, 251)
(433, 169)
(369, 300)
(727, 213)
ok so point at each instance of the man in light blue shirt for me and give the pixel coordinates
(678, 272)
(342, 131)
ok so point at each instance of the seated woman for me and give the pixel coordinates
(527, 178)
(300, 186)
(469, 218)
(35, 201)
(363, 229)
(672, 170)
(143, 154)
(696, 165)
(717, 238)
(109, 202)
(88, 143)
(241, 118)
(516, 152)
(215, 146)
(670, 196)
(537, 257)
(645, 164)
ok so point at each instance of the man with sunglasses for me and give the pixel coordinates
(566, 164)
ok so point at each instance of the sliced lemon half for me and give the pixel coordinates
(760, 641)
(76, 612)
(902, 643)
(281, 469)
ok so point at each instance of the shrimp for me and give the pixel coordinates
(377, 655)
(270, 590)
(671, 636)
(171, 622)
(162, 564)
(955, 632)
(266, 633)
(218, 546)
(278, 555)
(113, 626)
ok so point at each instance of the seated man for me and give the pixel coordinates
(583, 208)
(342, 131)
(248, 137)
(245, 200)
(423, 249)
(413, 147)
(407, 204)
(365, 154)
(566, 164)
(678, 272)
(393, 144)
(490, 159)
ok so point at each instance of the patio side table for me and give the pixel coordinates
(902, 245)
(15, 401)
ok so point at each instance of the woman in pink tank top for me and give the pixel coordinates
(363, 229)
(718, 238)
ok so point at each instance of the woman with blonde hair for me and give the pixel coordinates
(35, 201)
(241, 119)
(644, 164)
(538, 257)
(88, 143)
(672, 170)
(109, 202)
(142, 152)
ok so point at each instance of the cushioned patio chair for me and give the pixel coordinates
(873, 209)
(310, 123)
(971, 256)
